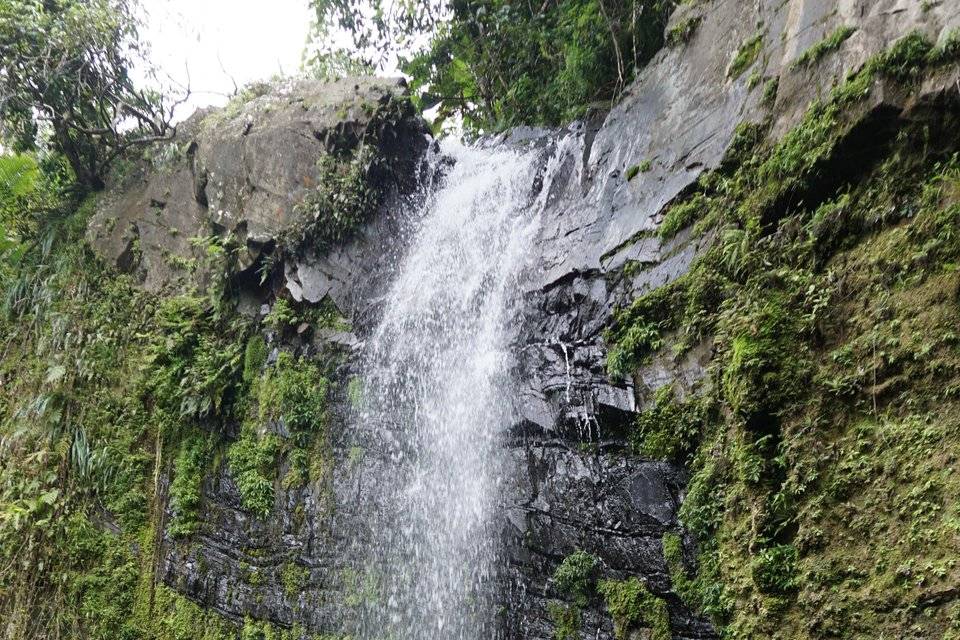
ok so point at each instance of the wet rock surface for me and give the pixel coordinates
(563, 500)
(571, 482)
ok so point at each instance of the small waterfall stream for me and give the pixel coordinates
(437, 394)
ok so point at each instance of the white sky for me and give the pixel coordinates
(218, 39)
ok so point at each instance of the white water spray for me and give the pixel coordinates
(438, 393)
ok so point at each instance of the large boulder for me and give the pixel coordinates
(239, 175)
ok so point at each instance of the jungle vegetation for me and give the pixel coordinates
(499, 63)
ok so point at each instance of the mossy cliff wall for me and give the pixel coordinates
(169, 405)
(740, 363)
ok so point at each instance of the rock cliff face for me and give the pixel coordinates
(242, 173)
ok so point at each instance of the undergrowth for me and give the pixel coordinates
(116, 405)
(822, 441)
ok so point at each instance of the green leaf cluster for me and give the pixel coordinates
(827, 298)
(632, 607)
(499, 63)
(67, 78)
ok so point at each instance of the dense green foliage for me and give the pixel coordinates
(574, 577)
(826, 296)
(500, 63)
(291, 395)
(632, 607)
(65, 76)
(186, 490)
(343, 199)
(669, 429)
(105, 392)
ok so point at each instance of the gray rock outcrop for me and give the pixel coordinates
(573, 484)
(240, 174)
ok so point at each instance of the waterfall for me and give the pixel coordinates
(437, 394)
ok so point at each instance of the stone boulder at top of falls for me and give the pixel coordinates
(240, 172)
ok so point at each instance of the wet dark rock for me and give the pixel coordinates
(572, 481)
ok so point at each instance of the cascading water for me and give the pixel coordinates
(437, 393)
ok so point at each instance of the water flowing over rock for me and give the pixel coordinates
(436, 374)
(483, 440)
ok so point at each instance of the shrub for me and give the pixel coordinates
(193, 362)
(345, 198)
(253, 461)
(294, 392)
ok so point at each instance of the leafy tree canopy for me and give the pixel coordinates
(501, 63)
(65, 78)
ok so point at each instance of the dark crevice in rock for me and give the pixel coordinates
(852, 157)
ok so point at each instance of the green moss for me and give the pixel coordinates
(566, 620)
(355, 456)
(835, 369)
(774, 569)
(670, 429)
(831, 43)
(360, 588)
(673, 555)
(633, 607)
(948, 49)
(764, 365)
(575, 576)
(294, 579)
(294, 392)
(264, 630)
(355, 392)
(680, 216)
(770, 90)
(638, 339)
(254, 357)
(236, 104)
(176, 618)
(681, 32)
(906, 59)
(746, 55)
